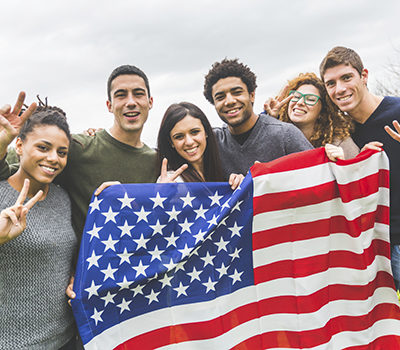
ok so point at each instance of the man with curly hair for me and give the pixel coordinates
(230, 86)
(345, 80)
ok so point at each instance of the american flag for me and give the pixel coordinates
(297, 257)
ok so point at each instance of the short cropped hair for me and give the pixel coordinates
(126, 69)
(228, 68)
(341, 55)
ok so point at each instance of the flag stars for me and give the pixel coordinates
(95, 204)
(141, 242)
(110, 243)
(93, 260)
(185, 251)
(94, 232)
(124, 284)
(92, 290)
(142, 214)
(126, 201)
(236, 276)
(210, 285)
(194, 275)
(208, 259)
(110, 215)
(109, 298)
(221, 244)
(157, 228)
(223, 270)
(187, 200)
(155, 254)
(213, 220)
(235, 254)
(97, 316)
(169, 265)
(109, 272)
(235, 229)
(215, 199)
(138, 290)
(140, 269)
(126, 229)
(199, 236)
(237, 206)
(158, 200)
(152, 296)
(186, 226)
(124, 256)
(166, 280)
(181, 289)
(173, 214)
(124, 305)
(171, 240)
(200, 213)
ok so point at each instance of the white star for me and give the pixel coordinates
(185, 251)
(199, 236)
(109, 272)
(124, 284)
(236, 276)
(141, 242)
(171, 239)
(124, 305)
(215, 199)
(92, 290)
(186, 226)
(194, 275)
(126, 229)
(208, 259)
(155, 254)
(223, 270)
(223, 221)
(93, 260)
(187, 200)
(170, 265)
(213, 221)
(200, 212)
(235, 254)
(124, 256)
(221, 245)
(126, 201)
(140, 269)
(180, 266)
(152, 296)
(94, 232)
(157, 228)
(110, 215)
(181, 290)
(110, 243)
(210, 285)
(226, 204)
(237, 206)
(158, 201)
(95, 204)
(166, 280)
(138, 290)
(173, 214)
(109, 298)
(235, 230)
(97, 316)
(142, 214)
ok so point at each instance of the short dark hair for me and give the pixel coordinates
(212, 165)
(45, 115)
(126, 69)
(341, 55)
(228, 68)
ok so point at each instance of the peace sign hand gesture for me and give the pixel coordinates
(273, 105)
(167, 178)
(11, 122)
(13, 219)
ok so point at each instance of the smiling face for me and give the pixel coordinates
(43, 154)
(129, 103)
(189, 139)
(234, 104)
(302, 114)
(346, 87)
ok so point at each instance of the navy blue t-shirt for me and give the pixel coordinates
(372, 130)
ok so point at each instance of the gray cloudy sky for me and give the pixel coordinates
(66, 50)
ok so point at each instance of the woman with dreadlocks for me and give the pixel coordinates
(305, 103)
(36, 248)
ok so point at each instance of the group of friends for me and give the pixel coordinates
(38, 250)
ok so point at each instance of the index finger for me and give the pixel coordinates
(33, 200)
(164, 167)
(285, 100)
(283, 92)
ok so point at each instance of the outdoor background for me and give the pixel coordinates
(66, 50)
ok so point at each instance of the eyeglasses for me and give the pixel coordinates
(309, 99)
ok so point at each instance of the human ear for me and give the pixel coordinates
(18, 146)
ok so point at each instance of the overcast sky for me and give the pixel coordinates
(66, 50)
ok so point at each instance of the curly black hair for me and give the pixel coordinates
(228, 68)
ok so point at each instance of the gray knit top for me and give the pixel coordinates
(34, 272)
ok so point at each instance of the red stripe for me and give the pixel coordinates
(321, 193)
(320, 228)
(315, 337)
(387, 342)
(302, 160)
(311, 265)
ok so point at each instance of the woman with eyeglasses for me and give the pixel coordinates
(305, 103)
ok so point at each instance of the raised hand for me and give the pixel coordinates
(13, 219)
(273, 105)
(167, 178)
(11, 122)
(395, 135)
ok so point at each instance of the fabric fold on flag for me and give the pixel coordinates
(297, 257)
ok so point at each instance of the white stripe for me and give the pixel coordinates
(320, 211)
(318, 175)
(205, 311)
(320, 245)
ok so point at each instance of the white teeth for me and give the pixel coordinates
(296, 110)
(131, 114)
(344, 98)
(48, 169)
(191, 150)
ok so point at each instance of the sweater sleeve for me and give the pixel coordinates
(295, 141)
